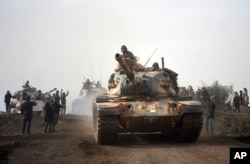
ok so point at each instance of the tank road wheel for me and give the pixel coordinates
(106, 130)
(191, 127)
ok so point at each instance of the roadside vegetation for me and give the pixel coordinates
(227, 122)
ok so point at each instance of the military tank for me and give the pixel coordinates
(145, 100)
(82, 105)
(36, 95)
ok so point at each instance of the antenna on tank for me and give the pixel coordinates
(91, 73)
(100, 74)
(150, 57)
(162, 62)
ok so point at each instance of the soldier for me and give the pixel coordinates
(111, 82)
(155, 67)
(98, 84)
(128, 56)
(26, 86)
(87, 85)
(63, 101)
(7, 99)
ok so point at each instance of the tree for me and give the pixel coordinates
(222, 93)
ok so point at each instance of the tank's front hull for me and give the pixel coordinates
(183, 120)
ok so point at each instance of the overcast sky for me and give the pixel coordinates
(58, 43)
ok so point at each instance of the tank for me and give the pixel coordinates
(145, 100)
(36, 95)
(82, 105)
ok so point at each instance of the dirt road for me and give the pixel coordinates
(73, 142)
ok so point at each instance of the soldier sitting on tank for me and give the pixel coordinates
(111, 82)
(130, 60)
(155, 67)
(128, 56)
(26, 85)
(98, 85)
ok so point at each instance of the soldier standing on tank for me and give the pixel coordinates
(63, 101)
(26, 111)
(7, 99)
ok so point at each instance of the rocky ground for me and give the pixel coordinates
(73, 142)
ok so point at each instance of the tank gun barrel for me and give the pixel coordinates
(126, 69)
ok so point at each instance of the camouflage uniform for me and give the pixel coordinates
(128, 56)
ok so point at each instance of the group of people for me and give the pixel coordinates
(208, 105)
(55, 105)
(240, 100)
(87, 85)
(52, 110)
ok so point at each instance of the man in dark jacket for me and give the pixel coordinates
(26, 111)
(7, 99)
(56, 107)
(49, 116)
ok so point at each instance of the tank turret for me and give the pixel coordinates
(143, 82)
(126, 69)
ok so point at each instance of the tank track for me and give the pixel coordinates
(191, 126)
(106, 130)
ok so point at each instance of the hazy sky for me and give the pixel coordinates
(58, 43)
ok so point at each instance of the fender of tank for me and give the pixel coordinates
(142, 100)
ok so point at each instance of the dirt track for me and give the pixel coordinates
(74, 143)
